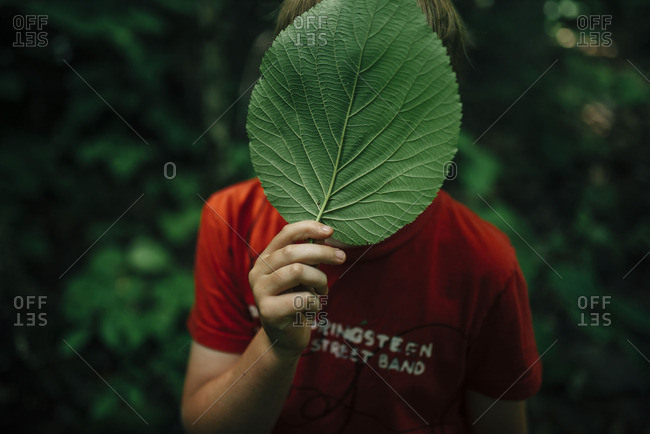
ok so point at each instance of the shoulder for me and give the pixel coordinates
(474, 242)
(232, 198)
(236, 201)
(242, 211)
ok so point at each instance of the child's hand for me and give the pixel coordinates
(282, 275)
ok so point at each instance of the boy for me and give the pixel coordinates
(427, 331)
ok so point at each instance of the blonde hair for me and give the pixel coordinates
(441, 16)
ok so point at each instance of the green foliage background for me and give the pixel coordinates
(567, 168)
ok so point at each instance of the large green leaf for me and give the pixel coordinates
(354, 117)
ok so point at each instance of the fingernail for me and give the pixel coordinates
(326, 228)
(340, 254)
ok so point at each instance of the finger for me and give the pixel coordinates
(310, 254)
(288, 305)
(295, 232)
(290, 276)
(303, 288)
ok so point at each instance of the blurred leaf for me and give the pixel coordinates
(180, 226)
(148, 256)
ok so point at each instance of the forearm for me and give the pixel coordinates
(246, 398)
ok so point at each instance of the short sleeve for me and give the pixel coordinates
(219, 318)
(503, 361)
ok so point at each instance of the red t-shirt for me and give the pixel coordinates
(438, 308)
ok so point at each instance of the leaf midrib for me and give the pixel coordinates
(340, 144)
